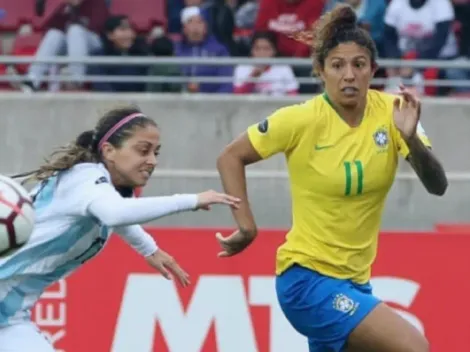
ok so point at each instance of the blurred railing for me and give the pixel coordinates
(216, 61)
(219, 61)
(454, 176)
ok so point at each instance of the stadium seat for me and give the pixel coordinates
(431, 74)
(25, 45)
(15, 13)
(143, 14)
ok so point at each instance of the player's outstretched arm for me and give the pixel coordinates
(113, 210)
(231, 166)
(158, 259)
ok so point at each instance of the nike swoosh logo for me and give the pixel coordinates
(321, 147)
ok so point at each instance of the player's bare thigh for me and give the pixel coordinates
(385, 331)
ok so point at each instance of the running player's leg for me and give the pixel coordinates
(382, 330)
(24, 337)
(324, 309)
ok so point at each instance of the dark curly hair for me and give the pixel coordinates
(336, 27)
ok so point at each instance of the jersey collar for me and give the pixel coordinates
(330, 103)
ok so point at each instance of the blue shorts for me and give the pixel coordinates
(323, 309)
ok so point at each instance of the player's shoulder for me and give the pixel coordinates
(381, 102)
(85, 172)
(299, 113)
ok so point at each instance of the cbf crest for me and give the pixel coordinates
(344, 304)
(381, 138)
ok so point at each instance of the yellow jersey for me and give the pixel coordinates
(339, 179)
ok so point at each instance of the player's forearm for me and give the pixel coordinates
(427, 167)
(116, 211)
(232, 174)
(138, 239)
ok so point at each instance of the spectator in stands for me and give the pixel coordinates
(288, 16)
(275, 80)
(420, 29)
(163, 46)
(370, 14)
(71, 31)
(462, 14)
(120, 40)
(198, 42)
(174, 13)
(218, 15)
(221, 22)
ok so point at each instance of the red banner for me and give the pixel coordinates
(116, 303)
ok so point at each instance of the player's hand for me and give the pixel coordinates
(168, 267)
(235, 243)
(406, 116)
(206, 199)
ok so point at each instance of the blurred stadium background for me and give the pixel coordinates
(115, 303)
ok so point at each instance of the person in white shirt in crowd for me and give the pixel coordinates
(85, 193)
(73, 31)
(421, 29)
(276, 80)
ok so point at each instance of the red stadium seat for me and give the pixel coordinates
(25, 45)
(143, 14)
(15, 13)
(431, 74)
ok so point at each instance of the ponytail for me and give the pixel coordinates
(114, 127)
(80, 151)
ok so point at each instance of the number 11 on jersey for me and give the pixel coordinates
(348, 166)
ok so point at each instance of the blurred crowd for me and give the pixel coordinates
(402, 29)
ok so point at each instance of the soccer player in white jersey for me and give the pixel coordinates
(85, 192)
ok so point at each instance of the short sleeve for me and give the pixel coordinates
(275, 134)
(392, 13)
(81, 185)
(403, 147)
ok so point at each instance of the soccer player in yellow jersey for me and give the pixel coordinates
(342, 151)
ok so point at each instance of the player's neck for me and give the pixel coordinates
(351, 115)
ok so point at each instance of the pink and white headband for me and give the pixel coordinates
(117, 126)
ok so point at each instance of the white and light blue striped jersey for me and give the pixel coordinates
(64, 237)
